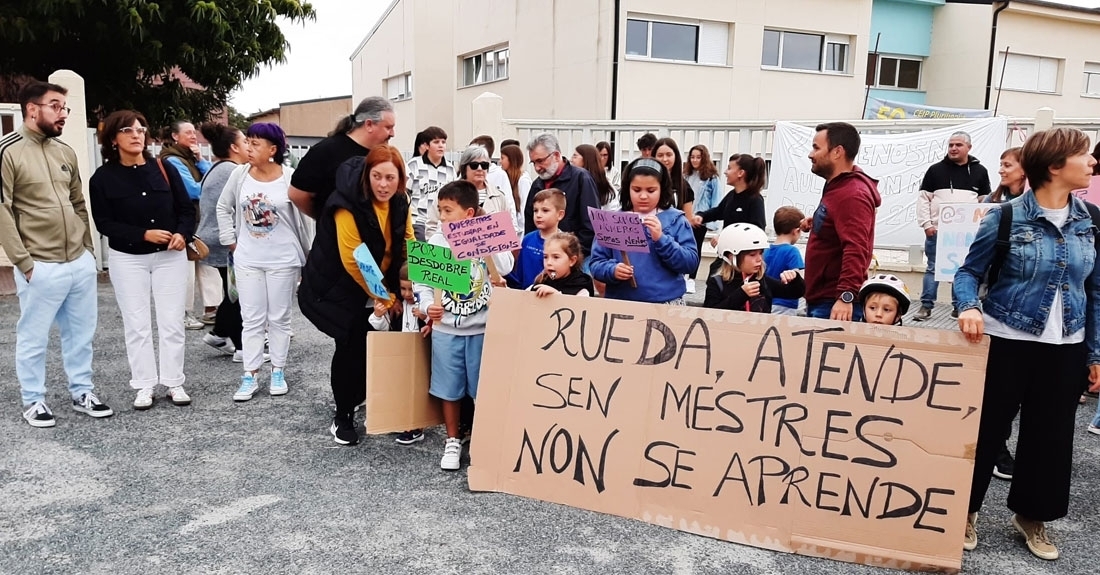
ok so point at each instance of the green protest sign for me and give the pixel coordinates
(436, 266)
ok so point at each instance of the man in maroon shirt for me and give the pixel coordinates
(842, 229)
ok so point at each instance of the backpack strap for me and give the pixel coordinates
(1004, 229)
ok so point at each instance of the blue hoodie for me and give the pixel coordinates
(659, 273)
(529, 264)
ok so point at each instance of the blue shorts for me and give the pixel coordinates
(456, 365)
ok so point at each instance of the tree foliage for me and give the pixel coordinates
(128, 50)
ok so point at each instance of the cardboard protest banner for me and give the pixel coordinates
(619, 230)
(398, 375)
(481, 236)
(436, 266)
(842, 440)
(958, 226)
(1090, 194)
(371, 273)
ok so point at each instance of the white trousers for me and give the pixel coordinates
(134, 277)
(267, 298)
(209, 282)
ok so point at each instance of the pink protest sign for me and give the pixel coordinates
(619, 230)
(1090, 194)
(481, 236)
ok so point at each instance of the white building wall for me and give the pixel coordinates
(954, 73)
(1070, 36)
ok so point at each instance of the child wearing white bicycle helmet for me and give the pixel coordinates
(884, 299)
(740, 284)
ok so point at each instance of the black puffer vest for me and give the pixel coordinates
(328, 296)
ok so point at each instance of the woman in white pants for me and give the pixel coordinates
(148, 219)
(266, 234)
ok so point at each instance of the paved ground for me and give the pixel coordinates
(260, 488)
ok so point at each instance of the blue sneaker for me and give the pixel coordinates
(247, 389)
(278, 382)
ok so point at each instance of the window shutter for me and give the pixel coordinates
(713, 43)
(1048, 75)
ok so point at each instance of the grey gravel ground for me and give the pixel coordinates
(260, 487)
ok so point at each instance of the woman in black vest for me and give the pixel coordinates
(368, 207)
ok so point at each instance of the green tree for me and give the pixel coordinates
(237, 119)
(127, 50)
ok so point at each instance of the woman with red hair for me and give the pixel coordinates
(369, 207)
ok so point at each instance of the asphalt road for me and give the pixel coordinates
(260, 487)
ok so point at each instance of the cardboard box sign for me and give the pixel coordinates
(841, 440)
(398, 372)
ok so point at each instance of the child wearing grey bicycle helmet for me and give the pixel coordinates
(884, 299)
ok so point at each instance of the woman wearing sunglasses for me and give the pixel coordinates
(473, 166)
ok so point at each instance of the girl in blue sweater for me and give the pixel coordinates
(659, 274)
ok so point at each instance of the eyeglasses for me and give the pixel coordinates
(541, 160)
(56, 107)
(129, 130)
(478, 165)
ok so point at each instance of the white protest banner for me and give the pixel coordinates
(897, 161)
(958, 226)
(833, 439)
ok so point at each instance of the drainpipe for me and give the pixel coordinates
(614, 72)
(992, 52)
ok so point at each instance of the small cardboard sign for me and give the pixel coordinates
(398, 375)
(481, 236)
(1090, 194)
(958, 226)
(371, 273)
(436, 266)
(622, 231)
(842, 440)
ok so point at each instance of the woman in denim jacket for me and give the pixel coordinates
(1043, 321)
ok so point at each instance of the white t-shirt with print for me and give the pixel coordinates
(267, 238)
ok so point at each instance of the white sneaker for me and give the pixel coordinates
(144, 399)
(452, 454)
(38, 415)
(247, 389)
(689, 284)
(189, 322)
(1094, 429)
(179, 396)
(278, 382)
(238, 357)
(222, 344)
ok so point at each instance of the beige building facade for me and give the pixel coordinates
(702, 60)
(306, 122)
(709, 60)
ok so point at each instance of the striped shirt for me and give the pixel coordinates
(423, 183)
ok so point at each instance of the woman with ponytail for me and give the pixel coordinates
(745, 205)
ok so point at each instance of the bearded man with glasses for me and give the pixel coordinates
(44, 230)
(577, 184)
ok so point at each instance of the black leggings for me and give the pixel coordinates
(349, 369)
(1043, 382)
(700, 235)
(227, 322)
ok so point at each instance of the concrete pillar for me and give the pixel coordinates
(487, 117)
(76, 136)
(1044, 119)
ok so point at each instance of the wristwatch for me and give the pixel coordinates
(847, 297)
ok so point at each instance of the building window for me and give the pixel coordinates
(697, 42)
(893, 72)
(488, 66)
(1028, 73)
(400, 87)
(1091, 86)
(805, 51)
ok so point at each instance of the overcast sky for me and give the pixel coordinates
(317, 63)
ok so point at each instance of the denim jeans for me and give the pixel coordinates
(64, 293)
(930, 287)
(822, 310)
(134, 277)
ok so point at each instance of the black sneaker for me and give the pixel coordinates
(955, 313)
(343, 429)
(923, 314)
(410, 437)
(38, 415)
(1005, 464)
(89, 404)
